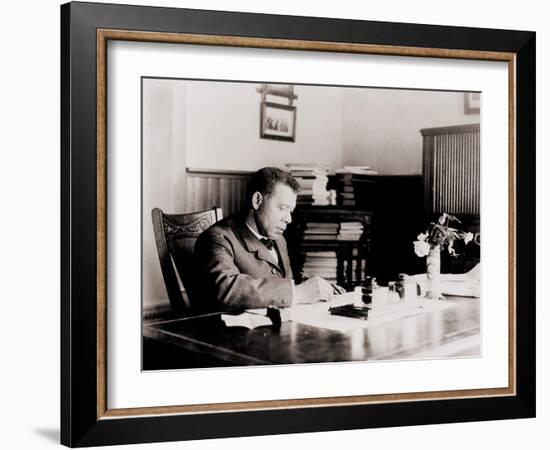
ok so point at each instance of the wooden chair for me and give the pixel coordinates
(175, 235)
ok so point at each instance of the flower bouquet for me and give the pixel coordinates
(439, 235)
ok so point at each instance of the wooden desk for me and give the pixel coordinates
(454, 331)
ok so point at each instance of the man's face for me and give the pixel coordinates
(274, 210)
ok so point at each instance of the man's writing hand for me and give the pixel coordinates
(338, 289)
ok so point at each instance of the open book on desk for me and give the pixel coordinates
(460, 284)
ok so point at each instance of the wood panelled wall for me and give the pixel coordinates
(208, 188)
(451, 169)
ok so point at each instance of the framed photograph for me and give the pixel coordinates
(278, 122)
(472, 102)
(169, 333)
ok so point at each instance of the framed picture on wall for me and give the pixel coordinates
(277, 121)
(472, 102)
(118, 142)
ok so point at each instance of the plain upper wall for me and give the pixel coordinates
(163, 172)
(335, 126)
(381, 127)
(223, 127)
(215, 125)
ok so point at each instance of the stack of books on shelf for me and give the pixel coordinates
(313, 180)
(356, 170)
(322, 264)
(354, 185)
(321, 231)
(350, 231)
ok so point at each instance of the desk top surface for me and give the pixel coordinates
(450, 332)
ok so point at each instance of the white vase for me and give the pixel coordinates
(433, 274)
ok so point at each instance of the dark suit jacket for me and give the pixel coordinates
(236, 270)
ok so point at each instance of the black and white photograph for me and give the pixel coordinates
(277, 225)
(347, 231)
(472, 102)
(278, 121)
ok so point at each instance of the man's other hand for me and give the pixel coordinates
(313, 290)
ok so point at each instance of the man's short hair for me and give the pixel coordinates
(264, 181)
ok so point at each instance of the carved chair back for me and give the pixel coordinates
(175, 236)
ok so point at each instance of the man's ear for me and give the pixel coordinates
(257, 199)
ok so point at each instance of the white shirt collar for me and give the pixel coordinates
(255, 233)
(272, 250)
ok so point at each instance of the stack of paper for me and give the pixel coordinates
(460, 284)
(247, 319)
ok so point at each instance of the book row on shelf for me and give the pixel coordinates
(340, 231)
(322, 264)
(325, 264)
(346, 186)
(351, 188)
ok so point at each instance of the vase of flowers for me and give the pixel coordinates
(438, 236)
(433, 274)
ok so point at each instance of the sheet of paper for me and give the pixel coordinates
(318, 315)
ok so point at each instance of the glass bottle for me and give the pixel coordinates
(369, 285)
(393, 295)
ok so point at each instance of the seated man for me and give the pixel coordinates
(243, 260)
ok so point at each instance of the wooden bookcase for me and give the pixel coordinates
(347, 251)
